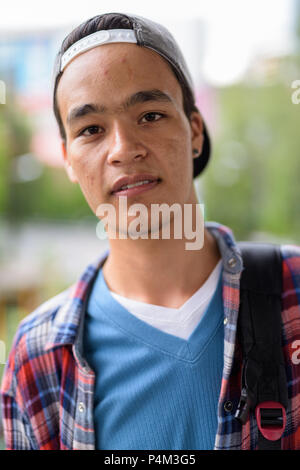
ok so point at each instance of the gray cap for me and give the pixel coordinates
(156, 37)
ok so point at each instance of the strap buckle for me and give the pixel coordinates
(271, 419)
(244, 406)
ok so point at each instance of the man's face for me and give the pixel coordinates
(134, 125)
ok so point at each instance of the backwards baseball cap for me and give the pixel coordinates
(144, 33)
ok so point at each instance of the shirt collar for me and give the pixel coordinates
(230, 252)
(68, 322)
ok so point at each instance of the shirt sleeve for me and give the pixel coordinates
(15, 425)
(17, 429)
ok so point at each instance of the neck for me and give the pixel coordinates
(159, 271)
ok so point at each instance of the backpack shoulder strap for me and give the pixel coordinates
(264, 385)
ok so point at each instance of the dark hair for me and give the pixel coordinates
(102, 22)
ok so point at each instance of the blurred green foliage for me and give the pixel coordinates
(14, 135)
(51, 195)
(253, 181)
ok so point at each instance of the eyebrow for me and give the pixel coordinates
(140, 97)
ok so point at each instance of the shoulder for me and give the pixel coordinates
(31, 337)
(291, 290)
(291, 263)
(44, 314)
(40, 321)
(290, 251)
(54, 322)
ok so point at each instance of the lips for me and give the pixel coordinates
(122, 183)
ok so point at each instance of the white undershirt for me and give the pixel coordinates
(181, 321)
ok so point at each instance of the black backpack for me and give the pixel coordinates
(264, 384)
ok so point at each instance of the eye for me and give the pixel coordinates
(151, 117)
(91, 129)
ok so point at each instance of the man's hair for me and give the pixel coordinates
(103, 22)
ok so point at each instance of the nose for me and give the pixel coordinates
(125, 146)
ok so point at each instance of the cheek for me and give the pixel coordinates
(88, 172)
(180, 166)
(85, 172)
(84, 163)
(180, 157)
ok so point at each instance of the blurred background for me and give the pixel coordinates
(245, 60)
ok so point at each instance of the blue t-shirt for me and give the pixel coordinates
(153, 390)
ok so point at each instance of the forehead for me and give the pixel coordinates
(113, 71)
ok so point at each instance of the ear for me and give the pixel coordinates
(196, 124)
(68, 167)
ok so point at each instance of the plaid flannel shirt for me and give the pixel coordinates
(47, 387)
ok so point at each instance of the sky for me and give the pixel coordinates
(226, 34)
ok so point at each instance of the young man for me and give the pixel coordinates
(141, 352)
